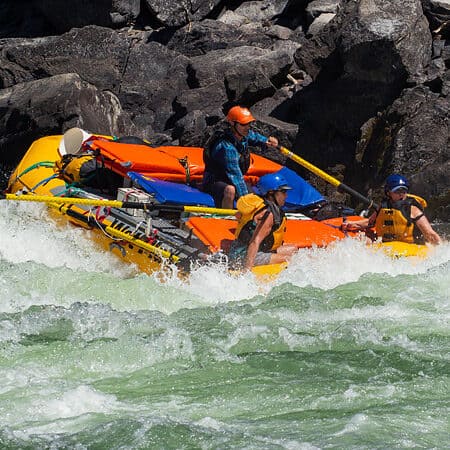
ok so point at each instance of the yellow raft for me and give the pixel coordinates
(397, 249)
(113, 229)
(149, 247)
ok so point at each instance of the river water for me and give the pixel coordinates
(347, 349)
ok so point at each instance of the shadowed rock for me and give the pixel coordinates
(410, 137)
(173, 13)
(360, 62)
(38, 108)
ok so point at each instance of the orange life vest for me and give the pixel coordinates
(248, 207)
(394, 221)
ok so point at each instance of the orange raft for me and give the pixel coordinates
(218, 234)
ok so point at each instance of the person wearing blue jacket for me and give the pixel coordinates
(227, 158)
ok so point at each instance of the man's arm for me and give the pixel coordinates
(262, 231)
(425, 226)
(257, 139)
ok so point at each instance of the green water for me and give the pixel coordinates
(347, 350)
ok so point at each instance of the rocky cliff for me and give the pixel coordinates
(358, 87)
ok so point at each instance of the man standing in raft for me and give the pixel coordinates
(400, 217)
(227, 158)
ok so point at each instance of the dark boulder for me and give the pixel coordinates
(411, 137)
(249, 73)
(151, 81)
(38, 108)
(78, 13)
(202, 37)
(97, 54)
(360, 63)
(438, 15)
(175, 13)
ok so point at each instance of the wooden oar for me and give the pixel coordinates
(328, 178)
(116, 204)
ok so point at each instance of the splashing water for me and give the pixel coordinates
(347, 348)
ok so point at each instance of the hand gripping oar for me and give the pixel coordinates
(320, 173)
(116, 204)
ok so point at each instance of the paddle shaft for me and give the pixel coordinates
(328, 178)
(116, 204)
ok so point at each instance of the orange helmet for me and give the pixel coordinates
(240, 115)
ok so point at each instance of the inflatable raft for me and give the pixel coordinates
(162, 232)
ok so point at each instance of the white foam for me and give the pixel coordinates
(347, 260)
(27, 234)
(76, 402)
(356, 423)
(61, 412)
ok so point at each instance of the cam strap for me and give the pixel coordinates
(185, 163)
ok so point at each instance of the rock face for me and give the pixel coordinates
(359, 88)
(359, 63)
(412, 136)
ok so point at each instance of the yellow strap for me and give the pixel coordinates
(112, 203)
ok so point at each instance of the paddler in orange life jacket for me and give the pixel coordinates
(227, 158)
(400, 217)
(261, 225)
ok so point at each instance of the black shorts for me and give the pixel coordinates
(216, 190)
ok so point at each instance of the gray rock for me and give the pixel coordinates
(249, 73)
(263, 10)
(151, 81)
(319, 7)
(360, 63)
(319, 23)
(97, 54)
(173, 13)
(202, 37)
(196, 110)
(279, 32)
(232, 18)
(411, 137)
(52, 105)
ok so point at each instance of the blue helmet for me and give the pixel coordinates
(395, 182)
(272, 182)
